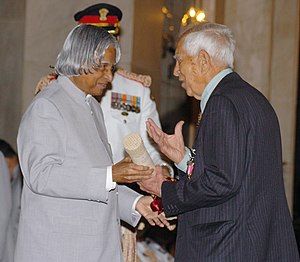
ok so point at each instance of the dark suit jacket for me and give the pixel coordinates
(234, 206)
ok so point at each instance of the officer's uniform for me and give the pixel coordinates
(126, 108)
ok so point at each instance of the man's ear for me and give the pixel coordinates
(203, 61)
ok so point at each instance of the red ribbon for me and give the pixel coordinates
(94, 19)
(156, 204)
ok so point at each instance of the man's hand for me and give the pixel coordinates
(153, 184)
(143, 207)
(126, 171)
(44, 81)
(170, 145)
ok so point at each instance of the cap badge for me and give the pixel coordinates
(103, 14)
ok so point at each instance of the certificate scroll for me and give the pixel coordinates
(135, 148)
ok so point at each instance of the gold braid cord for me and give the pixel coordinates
(128, 245)
(145, 80)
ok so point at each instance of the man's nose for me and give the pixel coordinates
(176, 70)
(109, 75)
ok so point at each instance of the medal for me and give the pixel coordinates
(190, 163)
(126, 103)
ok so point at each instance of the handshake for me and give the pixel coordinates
(140, 168)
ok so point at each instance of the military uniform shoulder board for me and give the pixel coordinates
(145, 80)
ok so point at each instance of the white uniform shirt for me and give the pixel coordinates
(119, 125)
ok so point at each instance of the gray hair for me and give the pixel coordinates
(84, 49)
(216, 39)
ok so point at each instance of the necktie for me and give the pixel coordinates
(199, 117)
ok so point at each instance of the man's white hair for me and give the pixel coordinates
(217, 40)
(84, 49)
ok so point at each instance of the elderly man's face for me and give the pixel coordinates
(95, 82)
(188, 72)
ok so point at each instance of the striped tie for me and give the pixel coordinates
(199, 117)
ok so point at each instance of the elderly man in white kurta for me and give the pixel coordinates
(71, 204)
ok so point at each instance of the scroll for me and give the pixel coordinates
(135, 148)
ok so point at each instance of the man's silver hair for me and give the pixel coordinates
(84, 49)
(217, 40)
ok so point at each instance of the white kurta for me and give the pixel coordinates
(67, 214)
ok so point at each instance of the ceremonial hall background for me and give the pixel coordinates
(267, 56)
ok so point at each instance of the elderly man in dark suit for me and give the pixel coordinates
(230, 198)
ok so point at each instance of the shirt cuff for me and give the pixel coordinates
(135, 212)
(171, 171)
(182, 165)
(110, 185)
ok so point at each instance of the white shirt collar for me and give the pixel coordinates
(211, 87)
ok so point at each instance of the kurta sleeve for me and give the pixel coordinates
(42, 147)
(126, 198)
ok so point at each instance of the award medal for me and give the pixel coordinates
(126, 103)
(191, 163)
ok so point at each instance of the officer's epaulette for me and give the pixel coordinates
(145, 80)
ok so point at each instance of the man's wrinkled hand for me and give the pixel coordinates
(154, 183)
(171, 146)
(126, 171)
(143, 207)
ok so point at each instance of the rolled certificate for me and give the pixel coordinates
(135, 148)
